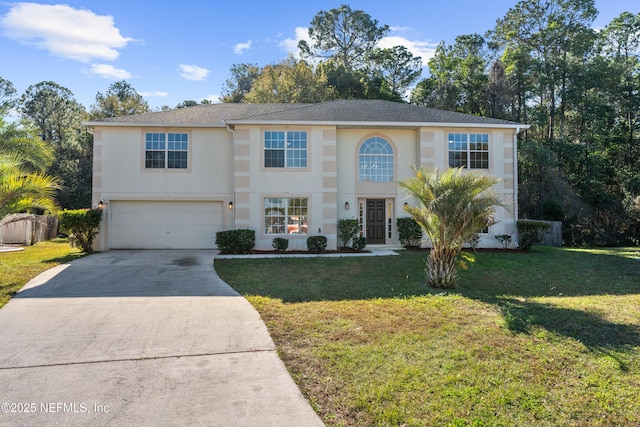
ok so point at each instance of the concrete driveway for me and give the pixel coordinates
(141, 338)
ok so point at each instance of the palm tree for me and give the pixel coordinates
(21, 140)
(455, 205)
(22, 190)
(24, 157)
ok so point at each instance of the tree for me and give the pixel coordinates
(75, 167)
(397, 67)
(57, 116)
(23, 159)
(7, 96)
(20, 140)
(344, 84)
(187, 103)
(498, 93)
(290, 81)
(470, 61)
(621, 44)
(454, 206)
(543, 36)
(22, 190)
(440, 89)
(427, 93)
(345, 35)
(120, 99)
(240, 83)
(458, 81)
(54, 111)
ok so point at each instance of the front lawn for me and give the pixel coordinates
(17, 268)
(550, 337)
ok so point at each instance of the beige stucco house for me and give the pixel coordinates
(172, 179)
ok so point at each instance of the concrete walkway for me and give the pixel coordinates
(141, 338)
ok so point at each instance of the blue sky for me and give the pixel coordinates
(173, 51)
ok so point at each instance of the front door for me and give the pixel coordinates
(375, 221)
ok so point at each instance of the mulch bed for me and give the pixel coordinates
(353, 251)
(339, 251)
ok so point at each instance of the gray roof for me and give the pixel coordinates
(341, 112)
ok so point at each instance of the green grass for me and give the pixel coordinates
(17, 268)
(550, 337)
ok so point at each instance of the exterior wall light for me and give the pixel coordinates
(102, 204)
(346, 206)
(230, 206)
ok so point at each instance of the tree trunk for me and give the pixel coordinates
(441, 270)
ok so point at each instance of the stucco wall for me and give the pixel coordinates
(229, 167)
(254, 183)
(119, 172)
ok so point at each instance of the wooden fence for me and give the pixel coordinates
(27, 229)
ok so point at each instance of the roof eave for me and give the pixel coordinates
(95, 124)
(379, 124)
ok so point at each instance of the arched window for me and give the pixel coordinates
(375, 161)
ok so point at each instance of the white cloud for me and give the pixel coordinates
(214, 99)
(107, 71)
(157, 94)
(423, 49)
(241, 47)
(77, 34)
(291, 45)
(400, 29)
(193, 72)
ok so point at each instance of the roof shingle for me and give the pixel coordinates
(340, 111)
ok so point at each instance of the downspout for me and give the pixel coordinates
(233, 176)
(515, 184)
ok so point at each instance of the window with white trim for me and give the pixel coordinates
(375, 161)
(166, 150)
(285, 216)
(285, 149)
(469, 151)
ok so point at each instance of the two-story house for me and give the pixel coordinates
(172, 179)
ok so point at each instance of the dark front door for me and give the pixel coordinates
(375, 222)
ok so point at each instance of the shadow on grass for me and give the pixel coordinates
(65, 259)
(546, 272)
(507, 282)
(9, 289)
(588, 328)
(504, 280)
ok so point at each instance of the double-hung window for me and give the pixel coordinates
(166, 150)
(285, 216)
(285, 149)
(469, 150)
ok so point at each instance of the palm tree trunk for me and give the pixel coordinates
(441, 269)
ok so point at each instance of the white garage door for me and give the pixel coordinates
(164, 225)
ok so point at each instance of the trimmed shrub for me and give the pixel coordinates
(280, 244)
(239, 241)
(531, 232)
(348, 230)
(82, 225)
(317, 244)
(359, 243)
(504, 239)
(409, 232)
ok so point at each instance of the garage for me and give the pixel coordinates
(164, 224)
